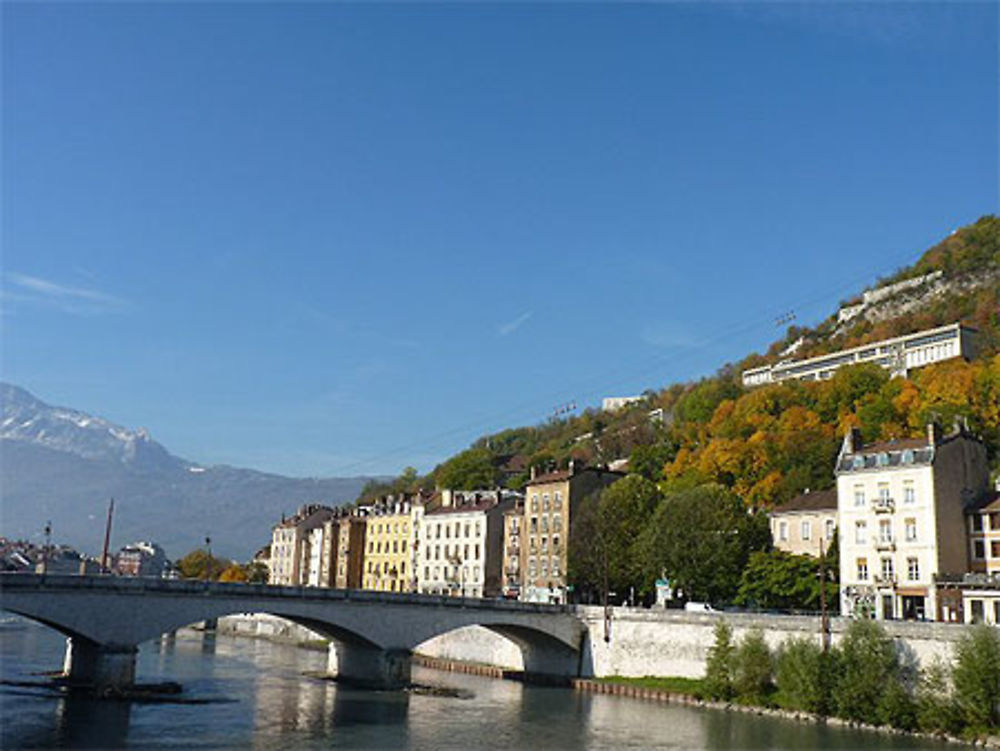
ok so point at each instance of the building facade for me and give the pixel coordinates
(389, 541)
(898, 355)
(902, 515)
(289, 564)
(349, 555)
(805, 525)
(549, 502)
(513, 522)
(461, 546)
(142, 559)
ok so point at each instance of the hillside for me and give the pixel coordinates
(63, 465)
(771, 443)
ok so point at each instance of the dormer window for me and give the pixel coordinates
(882, 459)
(859, 462)
(907, 457)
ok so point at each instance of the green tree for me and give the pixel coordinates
(753, 668)
(257, 572)
(868, 664)
(605, 548)
(719, 664)
(977, 677)
(702, 538)
(779, 580)
(936, 708)
(803, 675)
(470, 470)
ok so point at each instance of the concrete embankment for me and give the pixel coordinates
(634, 643)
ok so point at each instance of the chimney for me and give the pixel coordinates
(446, 497)
(572, 467)
(852, 441)
(933, 433)
(534, 472)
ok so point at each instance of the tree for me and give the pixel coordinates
(977, 677)
(257, 572)
(472, 469)
(779, 580)
(234, 572)
(719, 664)
(803, 674)
(868, 664)
(702, 538)
(198, 564)
(753, 668)
(605, 549)
(936, 708)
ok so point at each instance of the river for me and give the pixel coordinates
(261, 695)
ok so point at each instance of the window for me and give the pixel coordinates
(977, 523)
(859, 495)
(909, 492)
(534, 502)
(807, 530)
(883, 459)
(978, 550)
(534, 525)
(860, 532)
(995, 521)
(858, 463)
(885, 530)
(862, 569)
(545, 501)
(907, 457)
(545, 567)
(782, 530)
(912, 569)
(427, 572)
(911, 530)
(555, 567)
(479, 529)
(555, 543)
(557, 523)
(545, 524)
(887, 569)
(557, 499)
(883, 491)
(995, 552)
(830, 527)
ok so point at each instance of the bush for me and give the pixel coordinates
(936, 709)
(896, 707)
(977, 678)
(719, 665)
(803, 676)
(868, 664)
(753, 668)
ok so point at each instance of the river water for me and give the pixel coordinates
(262, 696)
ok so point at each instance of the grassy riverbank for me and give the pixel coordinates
(672, 684)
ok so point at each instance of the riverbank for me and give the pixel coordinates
(679, 690)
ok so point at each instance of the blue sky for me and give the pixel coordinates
(327, 239)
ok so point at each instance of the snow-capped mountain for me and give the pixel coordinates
(26, 418)
(61, 465)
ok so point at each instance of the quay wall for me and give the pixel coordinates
(638, 642)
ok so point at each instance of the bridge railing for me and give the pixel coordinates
(152, 585)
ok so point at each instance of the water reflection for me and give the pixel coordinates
(275, 704)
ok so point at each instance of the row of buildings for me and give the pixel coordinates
(482, 543)
(918, 527)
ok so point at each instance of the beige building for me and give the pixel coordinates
(984, 534)
(806, 524)
(348, 556)
(902, 515)
(548, 515)
(290, 550)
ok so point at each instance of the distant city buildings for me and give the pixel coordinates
(615, 403)
(142, 559)
(898, 355)
(290, 540)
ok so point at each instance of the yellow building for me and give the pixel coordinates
(389, 537)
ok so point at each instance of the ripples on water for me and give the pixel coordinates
(274, 704)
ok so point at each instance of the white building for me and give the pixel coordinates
(898, 355)
(615, 403)
(460, 548)
(901, 509)
(290, 559)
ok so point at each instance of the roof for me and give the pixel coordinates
(989, 502)
(818, 500)
(482, 505)
(564, 474)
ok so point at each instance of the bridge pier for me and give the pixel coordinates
(369, 666)
(99, 665)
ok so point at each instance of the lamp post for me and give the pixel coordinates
(208, 563)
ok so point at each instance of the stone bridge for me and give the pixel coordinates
(372, 634)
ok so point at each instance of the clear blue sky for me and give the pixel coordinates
(339, 239)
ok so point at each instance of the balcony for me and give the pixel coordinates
(884, 544)
(884, 580)
(883, 505)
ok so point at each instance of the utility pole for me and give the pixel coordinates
(107, 538)
(824, 615)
